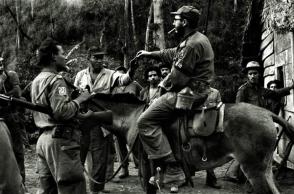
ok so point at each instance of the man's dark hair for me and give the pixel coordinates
(47, 49)
(164, 65)
(192, 21)
(152, 68)
(277, 82)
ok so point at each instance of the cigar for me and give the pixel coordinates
(171, 31)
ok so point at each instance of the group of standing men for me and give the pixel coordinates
(59, 163)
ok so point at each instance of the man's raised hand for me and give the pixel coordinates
(142, 53)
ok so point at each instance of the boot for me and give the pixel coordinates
(174, 174)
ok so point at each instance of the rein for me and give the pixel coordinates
(114, 174)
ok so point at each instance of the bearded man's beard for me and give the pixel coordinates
(180, 32)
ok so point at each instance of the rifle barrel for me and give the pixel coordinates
(25, 104)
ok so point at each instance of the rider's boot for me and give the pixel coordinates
(174, 174)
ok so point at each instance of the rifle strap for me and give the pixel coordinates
(52, 80)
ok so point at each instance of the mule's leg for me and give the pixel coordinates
(260, 176)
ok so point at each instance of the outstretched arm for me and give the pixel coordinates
(149, 54)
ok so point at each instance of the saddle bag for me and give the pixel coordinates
(203, 123)
(186, 99)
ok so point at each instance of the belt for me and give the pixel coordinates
(63, 132)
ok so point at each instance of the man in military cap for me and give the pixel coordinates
(192, 66)
(59, 164)
(98, 79)
(253, 92)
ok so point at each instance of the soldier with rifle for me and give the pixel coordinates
(58, 165)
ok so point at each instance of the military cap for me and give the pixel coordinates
(95, 51)
(188, 12)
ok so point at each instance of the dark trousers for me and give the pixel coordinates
(100, 148)
(122, 150)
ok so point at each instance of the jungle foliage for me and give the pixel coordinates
(25, 23)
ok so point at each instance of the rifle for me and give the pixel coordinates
(24, 103)
(95, 118)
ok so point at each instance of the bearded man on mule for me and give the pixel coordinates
(192, 69)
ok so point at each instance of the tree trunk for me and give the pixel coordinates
(147, 37)
(235, 5)
(126, 44)
(32, 8)
(158, 34)
(133, 25)
(102, 35)
(17, 14)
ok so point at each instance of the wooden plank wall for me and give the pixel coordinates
(267, 54)
(277, 52)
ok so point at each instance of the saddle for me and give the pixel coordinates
(202, 121)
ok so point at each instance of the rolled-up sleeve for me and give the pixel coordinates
(168, 55)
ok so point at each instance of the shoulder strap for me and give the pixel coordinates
(52, 80)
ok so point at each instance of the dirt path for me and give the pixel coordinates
(132, 183)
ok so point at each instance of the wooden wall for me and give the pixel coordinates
(277, 55)
(277, 52)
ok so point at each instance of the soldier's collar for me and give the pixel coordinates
(49, 70)
(189, 34)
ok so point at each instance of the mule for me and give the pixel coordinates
(249, 137)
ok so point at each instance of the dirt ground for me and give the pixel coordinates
(132, 183)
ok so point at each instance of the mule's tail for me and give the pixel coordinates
(287, 127)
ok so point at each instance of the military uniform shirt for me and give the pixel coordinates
(192, 59)
(257, 95)
(56, 95)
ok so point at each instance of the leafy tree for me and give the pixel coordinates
(102, 23)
